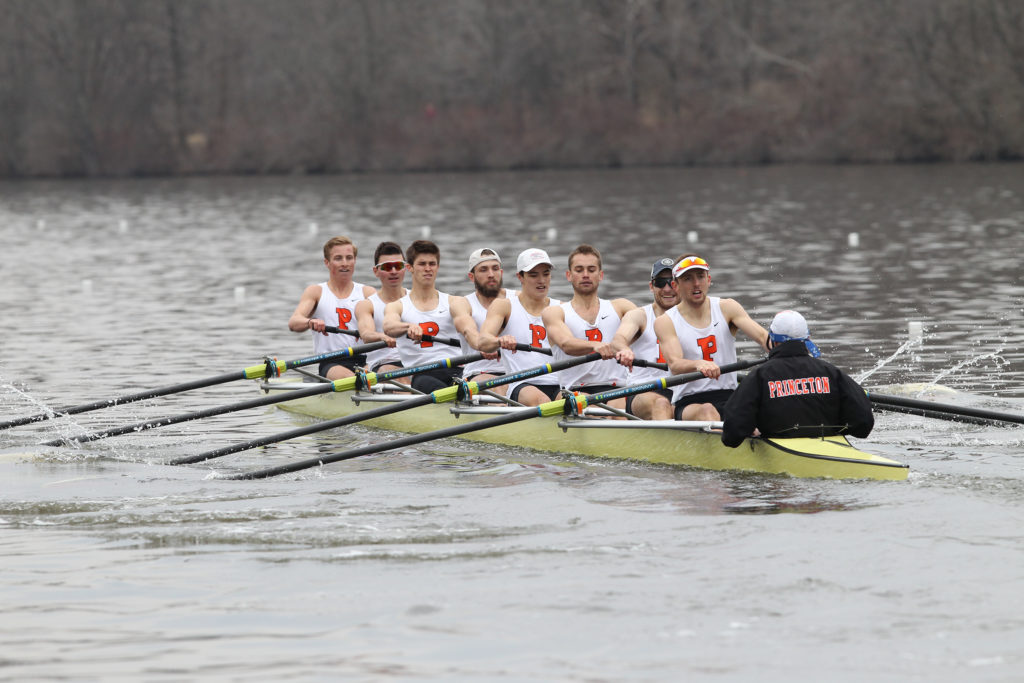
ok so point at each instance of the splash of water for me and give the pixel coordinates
(967, 362)
(904, 347)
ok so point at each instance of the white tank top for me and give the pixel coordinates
(479, 314)
(714, 343)
(646, 348)
(596, 372)
(387, 354)
(527, 329)
(339, 313)
(437, 322)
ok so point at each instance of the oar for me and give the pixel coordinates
(949, 412)
(544, 410)
(426, 337)
(439, 396)
(252, 372)
(338, 385)
(920, 412)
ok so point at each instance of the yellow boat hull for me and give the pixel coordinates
(649, 441)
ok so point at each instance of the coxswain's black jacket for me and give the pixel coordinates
(795, 394)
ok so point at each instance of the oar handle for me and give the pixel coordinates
(441, 340)
(339, 330)
(641, 363)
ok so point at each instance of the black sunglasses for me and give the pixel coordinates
(660, 282)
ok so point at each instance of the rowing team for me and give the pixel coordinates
(683, 327)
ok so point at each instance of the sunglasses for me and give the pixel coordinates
(389, 266)
(660, 282)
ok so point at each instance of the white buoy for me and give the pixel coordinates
(915, 331)
(313, 229)
(86, 286)
(552, 234)
(239, 294)
(853, 239)
(425, 232)
(40, 224)
(691, 237)
(122, 227)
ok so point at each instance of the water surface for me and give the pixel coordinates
(450, 561)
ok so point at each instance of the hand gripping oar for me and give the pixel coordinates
(338, 385)
(270, 367)
(426, 337)
(544, 410)
(440, 396)
(942, 411)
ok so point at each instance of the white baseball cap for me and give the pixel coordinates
(689, 263)
(482, 254)
(790, 326)
(530, 259)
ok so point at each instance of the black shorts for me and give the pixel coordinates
(432, 380)
(549, 390)
(667, 393)
(351, 363)
(597, 388)
(472, 378)
(716, 397)
(397, 363)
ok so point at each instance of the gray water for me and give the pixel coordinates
(454, 561)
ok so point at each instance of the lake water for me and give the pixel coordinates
(454, 561)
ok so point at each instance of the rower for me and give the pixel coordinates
(637, 331)
(389, 267)
(485, 273)
(333, 303)
(586, 324)
(517, 319)
(424, 311)
(795, 393)
(698, 335)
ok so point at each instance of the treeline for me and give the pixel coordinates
(127, 87)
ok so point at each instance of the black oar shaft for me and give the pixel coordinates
(341, 421)
(128, 398)
(309, 429)
(523, 414)
(931, 406)
(290, 395)
(253, 372)
(934, 414)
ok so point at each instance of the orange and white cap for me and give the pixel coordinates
(689, 263)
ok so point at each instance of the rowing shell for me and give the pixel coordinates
(657, 441)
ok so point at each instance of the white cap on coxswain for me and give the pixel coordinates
(530, 259)
(791, 326)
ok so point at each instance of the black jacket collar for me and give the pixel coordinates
(788, 349)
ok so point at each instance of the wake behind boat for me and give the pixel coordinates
(692, 444)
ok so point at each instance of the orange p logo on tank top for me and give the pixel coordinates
(708, 346)
(539, 333)
(430, 328)
(594, 335)
(344, 317)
